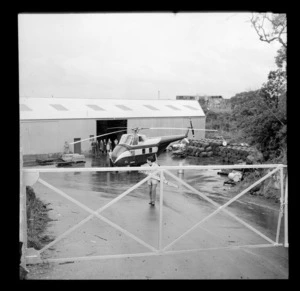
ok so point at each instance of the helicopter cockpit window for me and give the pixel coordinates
(127, 139)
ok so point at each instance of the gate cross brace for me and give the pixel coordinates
(219, 208)
(96, 213)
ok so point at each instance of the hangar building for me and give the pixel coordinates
(46, 123)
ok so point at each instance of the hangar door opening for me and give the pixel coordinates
(106, 126)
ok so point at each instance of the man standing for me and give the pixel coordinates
(101, 146)
(115, 142)
(152, 182)
(108, 145)
(94, 147)
(104, 146)
(97, 148)
(66, 148)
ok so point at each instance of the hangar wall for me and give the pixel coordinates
(49, 136)
(173, 122)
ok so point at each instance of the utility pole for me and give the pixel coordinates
(158, 95)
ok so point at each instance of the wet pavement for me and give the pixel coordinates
(182, 209)
(111, 184)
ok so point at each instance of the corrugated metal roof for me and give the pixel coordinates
(74, 108)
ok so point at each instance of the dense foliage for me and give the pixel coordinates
(263, 125)
(258, 118)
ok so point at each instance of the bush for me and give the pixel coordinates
(37, 220)
(263, 122)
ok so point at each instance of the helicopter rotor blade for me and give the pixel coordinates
(117, 127)
(136, 129)
(144, 128)
(183, 128)
(95, 136)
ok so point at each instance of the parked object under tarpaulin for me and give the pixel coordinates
(70, 160)
(45, 162)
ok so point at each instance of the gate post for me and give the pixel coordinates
(23, 214)
(286, 242)
(161, 210)
(281, 205)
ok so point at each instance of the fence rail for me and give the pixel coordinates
(125, 169)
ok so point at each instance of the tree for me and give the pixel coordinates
(270, 27)
(280, 59)
(275, 87)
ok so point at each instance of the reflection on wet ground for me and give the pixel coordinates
(111, 184)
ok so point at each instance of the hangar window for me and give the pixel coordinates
(59, 107)
(24, 107)
(173, 107)
(95, 107)
(123, 107)
(190, 107)
(151, 107)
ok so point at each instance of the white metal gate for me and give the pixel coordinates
(31, 176)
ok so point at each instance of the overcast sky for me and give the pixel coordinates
(141, 55)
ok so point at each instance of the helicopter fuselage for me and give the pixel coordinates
(133, 150)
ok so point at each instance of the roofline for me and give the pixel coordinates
(81, 108)
(115, 118)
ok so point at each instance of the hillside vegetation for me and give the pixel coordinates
(254, 121)
(259, 117)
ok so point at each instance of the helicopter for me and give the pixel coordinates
(133, 149)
